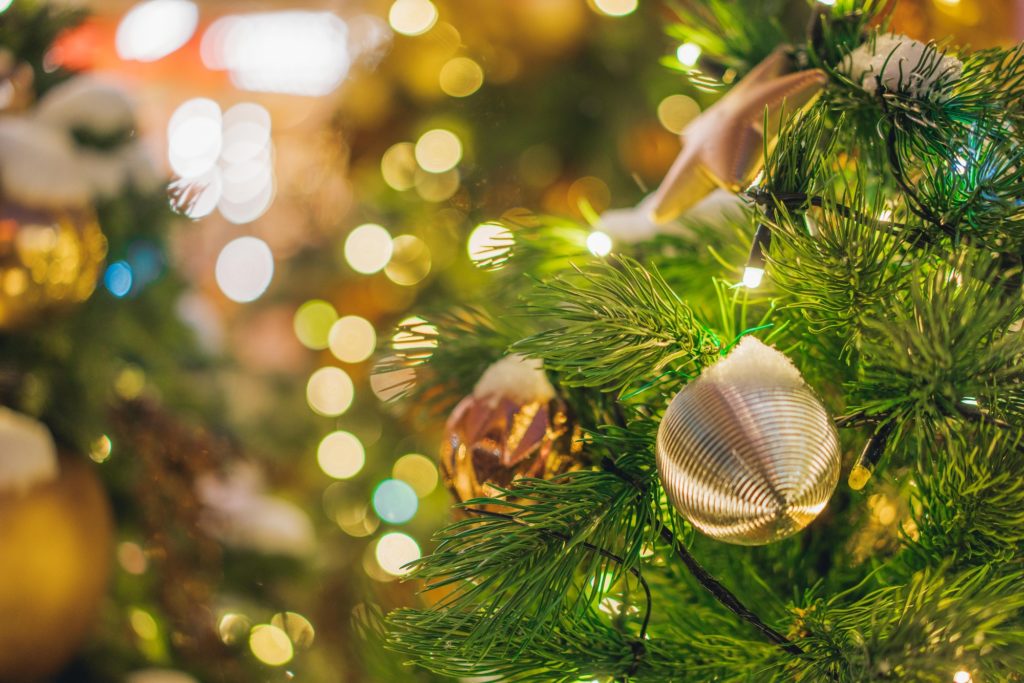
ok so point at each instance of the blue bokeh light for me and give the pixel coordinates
(118, 278)
(394, 501)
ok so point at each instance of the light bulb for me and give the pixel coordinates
(752, 277)
(599, 243)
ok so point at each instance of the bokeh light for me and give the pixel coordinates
(962, 676)
(132, 558)
(312, 323)
(197, 196)
(270, 645)
(394, 550)
(488, 241)
(244, 269)
(616, 8)
(415, 339)
(118, 278)
(688, 54)
(461, 77)
(143, 624)
(675, 111)
(356, 520)
(232, 628)
(437, 187)
(295, 52)
(155, 28)
(341, 455)
(352, 339)
(394, 501)
(398, 166)
(418, 471)
(599, 243)
(329, 391)
(410, 261)
(246, 133)
(438, 150)
(412, 17)
(194, 137)
(368, 248)
(100, 449)
(297, 627)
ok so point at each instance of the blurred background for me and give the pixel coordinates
(279, 185)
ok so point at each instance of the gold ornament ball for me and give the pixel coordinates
(55, 550)
(492, 441)
(747, 453)
(49, 259)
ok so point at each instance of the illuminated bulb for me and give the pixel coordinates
(438, 150)
(368, 248)
(461, 77)
(962, 677)
(412, 17)
(395, 550)
(352, 339)
(688, 54)
(395, 502)
(329, 391)
(155, 28)
(616, 8)
(488, 241)
(244, 269)
(752, 277)
(341, 455)
(270, 645)
(599, 243)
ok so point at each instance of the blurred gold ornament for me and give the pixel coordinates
(511, 426)
(49, 259)
(747, 453)
(55, 552)
(722, 146)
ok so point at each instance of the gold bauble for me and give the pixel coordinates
(491, 441)
(747, 453)
(49, 259)
(55, 550)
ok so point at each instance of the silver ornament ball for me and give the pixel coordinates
(746, 452)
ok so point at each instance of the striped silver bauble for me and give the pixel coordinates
(747, 452)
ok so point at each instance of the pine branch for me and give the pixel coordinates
(615, 324)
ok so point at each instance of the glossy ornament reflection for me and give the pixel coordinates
(511, 426)
(747, 452)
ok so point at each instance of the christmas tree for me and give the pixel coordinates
(765, 425)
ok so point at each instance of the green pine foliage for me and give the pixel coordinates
(893, 283)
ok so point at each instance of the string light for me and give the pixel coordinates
(688, 54)
(962, 676)
(752, 277)
(599, 243)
